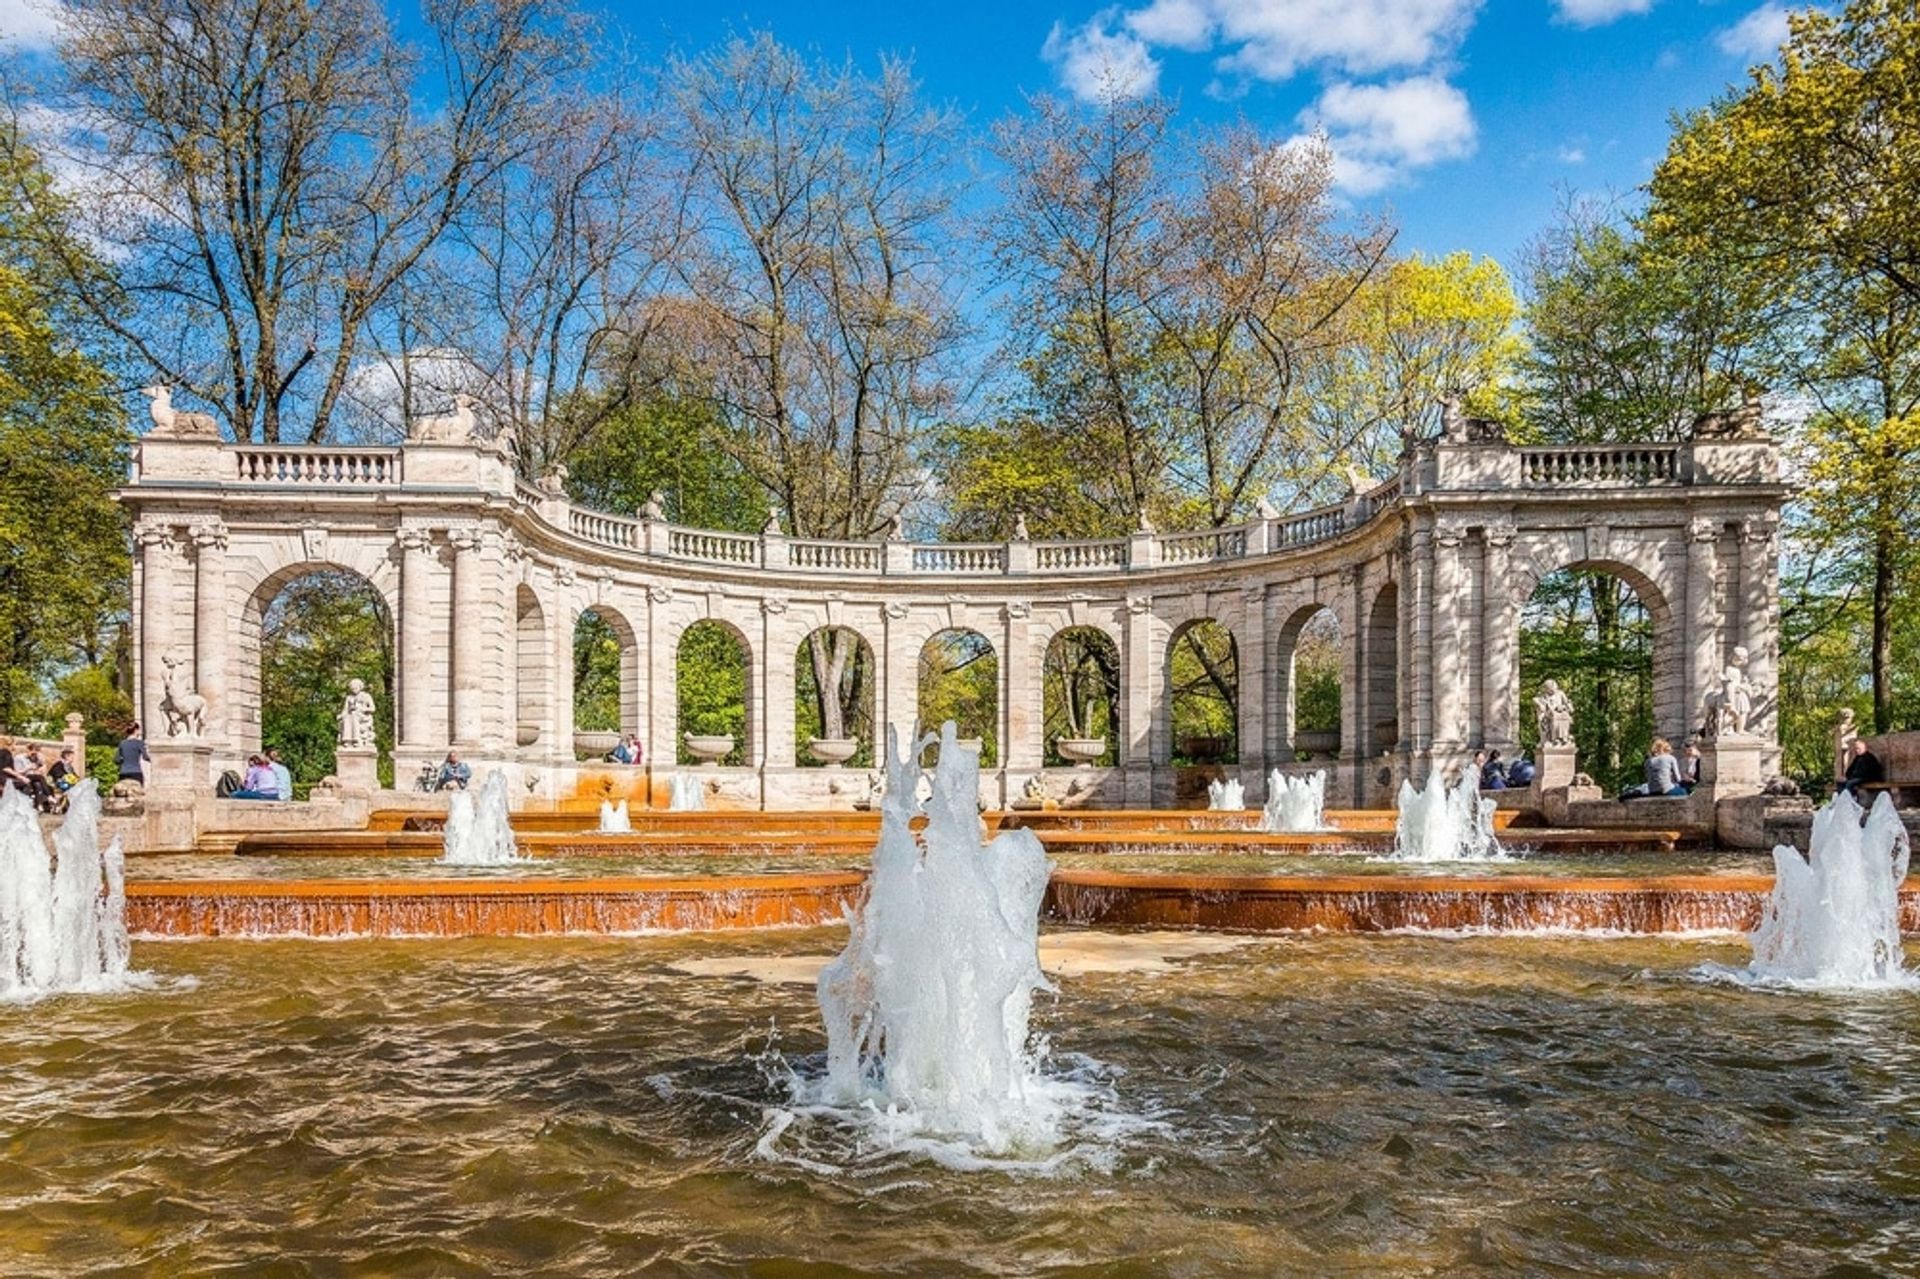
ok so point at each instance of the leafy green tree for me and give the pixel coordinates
(1203, 695)
(1080, 691)
(712, 672)
(959, 677)
(596, 676)
(1592, 635)
(834, 703)
(64, 563)
(1316, 676)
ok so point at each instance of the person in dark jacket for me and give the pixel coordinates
(131, 755)
(1864, 769)
(1493, 774)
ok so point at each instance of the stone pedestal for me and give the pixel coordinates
(1555, 767)
(180, 766)
(1731, 766)
(356, 768)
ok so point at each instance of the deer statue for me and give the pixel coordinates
(186, 710)
(170, 421)
(449, 428)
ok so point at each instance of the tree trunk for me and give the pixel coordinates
(1883, 585)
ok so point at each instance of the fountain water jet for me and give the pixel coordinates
(1295, 803)
(63, 923)
(685, 794)
(478, 832)
(1833, 918)
(614, 819)
(1228, 795)
(1444, 824)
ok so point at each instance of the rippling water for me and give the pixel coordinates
(1398, 1106)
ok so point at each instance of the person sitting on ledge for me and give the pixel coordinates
(1690, 768)
(454, 775)
(260, 782)
(1663, 770)
(1864, 769)
(64, 775)
(1493, 774)
(282, 775)
(1521, 772)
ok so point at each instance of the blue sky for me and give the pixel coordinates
(1468, 121)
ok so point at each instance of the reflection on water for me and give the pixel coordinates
(757, 862)
(1334, 1105)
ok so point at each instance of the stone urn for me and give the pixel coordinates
(1204, 750)
(709, 749)
(833, 751)
(594, 744)
(1082, 752)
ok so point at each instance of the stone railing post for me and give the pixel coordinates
(75, 740)
(1142, 550)
(1020, 556)
(774, 551)
(899, 557)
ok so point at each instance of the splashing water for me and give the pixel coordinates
(1295, 803)
(614, 819)
(1444, 824)
(1227, 795)
(926, 1010)
(1833, 918)
(63, 923)
(478, 832)
(685, 794)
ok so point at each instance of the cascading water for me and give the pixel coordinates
(478, 832)
(1295, 803)
(614, 819)
(1833, 918)
(1227, 795)
(685, 794)
(1444, 824)
(63, 923)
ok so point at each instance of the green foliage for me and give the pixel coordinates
(712, 674)
(960, 681)
(851, 705)
(103, 765)
(1080, 692)
(1203, 673)
(1591, 634)
(669, 446)
(92, 693)
(1316, 676)
(323, 629)
(596, 676)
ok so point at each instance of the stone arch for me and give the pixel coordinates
(1081, 688)
(1379, 722)
(1203, 692)
(605, 648)
(532, 672)
(247, 681)
(958, 678)
(1320, 626)
(714, 689)
(834, 657)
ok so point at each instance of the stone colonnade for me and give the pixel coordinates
(485, 576)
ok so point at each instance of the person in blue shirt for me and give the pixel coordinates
(282, 775)
(260, 782)
(1521, 772)
(454, 775)
(131, 755)
(1493, 775)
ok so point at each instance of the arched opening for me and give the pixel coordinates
(1080, 697)
(606, 681)
(532, 681)
(1308, 691)
(1592, 633)
(833, 698)
(710, 671)
(960, 681)
(1203, 694)
(1380, 673)
(305, 635)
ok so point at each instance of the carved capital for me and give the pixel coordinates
(209, 535)
(1018, 610)
(894, 609)
(660, 594)
(463, 539)
(1349, 575)
(1449, 536)
(1758, 530)
(774, 605)
(1500, 535)
(147, 535)
(1701, 529)
(1138, 604)
(563, 575)
(414, 538)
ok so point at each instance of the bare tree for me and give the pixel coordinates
(267, 174)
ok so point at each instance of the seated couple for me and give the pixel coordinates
(266, 778)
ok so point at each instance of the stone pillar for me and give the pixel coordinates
(416, 641)
(1142, 701)
(560, 749)
(1023, 745)
(1448, 642)
(75, 740)
(210, 626)
(1355, 698)
(1500, 647)
(1760, 631)
(157, 622)
(1555, 767)
(660, 707)
(773, 668)
(1415, 650)
(1702, 626)
(1253, 693)
(469, 686)
(899, 662)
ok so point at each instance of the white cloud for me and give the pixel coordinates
(1758, 36)
(1597, 13)
(1095, 64)
(1275, 39)
(32, 23)
(1381, 133)
(1573, 155)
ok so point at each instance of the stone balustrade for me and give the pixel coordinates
(1634, 465)
(312, 466)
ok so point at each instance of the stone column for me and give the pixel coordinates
(899, 662)
(469, 687)
(1499, 643)
(1023, 745)
(157, 622)
(1702, 626)
(1142, 702)
(1760, 630)
(1253, 693)
(416, 641)
(1448, 641)
(210, 625)
(560, 749)
(1356, 701)
(660, 707)
(1415, 650)
(774, 668)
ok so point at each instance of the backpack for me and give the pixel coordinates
(229, 783)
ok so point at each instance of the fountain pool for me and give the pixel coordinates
(1315, 1105)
